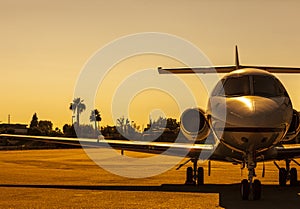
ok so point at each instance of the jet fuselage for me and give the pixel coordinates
(250, 111)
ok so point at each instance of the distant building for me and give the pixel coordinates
(14, 128)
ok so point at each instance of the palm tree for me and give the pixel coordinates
(95, 117)
(77, 107)
(123, 125)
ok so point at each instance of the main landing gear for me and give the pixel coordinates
(287, 173)
(251, 190)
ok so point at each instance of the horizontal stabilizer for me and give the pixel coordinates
(273, 69)
(226, 69)
(205, 69)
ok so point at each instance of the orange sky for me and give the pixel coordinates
(45, 45)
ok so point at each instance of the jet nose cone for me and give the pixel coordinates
(255, 111)
(248, 107)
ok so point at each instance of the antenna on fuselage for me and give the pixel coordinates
(237, 62)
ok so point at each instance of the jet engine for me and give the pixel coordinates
(294, 127)
(194, 124)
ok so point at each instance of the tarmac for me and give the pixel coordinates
(67, 178)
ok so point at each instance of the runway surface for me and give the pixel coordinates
(69, 179)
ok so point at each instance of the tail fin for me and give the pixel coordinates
(237, 62)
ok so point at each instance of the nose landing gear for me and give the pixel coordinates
(251, 190)
(194, 175)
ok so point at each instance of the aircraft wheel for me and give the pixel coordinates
(245, 189)
(189, 176)
(282, 177)
(256, 189)
(294, 177)
(200, 176)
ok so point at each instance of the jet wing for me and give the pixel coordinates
(45, 139)
(175, 149)
(287, 151)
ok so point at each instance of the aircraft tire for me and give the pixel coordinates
(200, 176)
(189, 176)
(256, 189)
(245, 189)
(293, 177)
(282, 177)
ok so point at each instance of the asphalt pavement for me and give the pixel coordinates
(67, 178)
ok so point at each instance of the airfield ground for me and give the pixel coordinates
(67, 178)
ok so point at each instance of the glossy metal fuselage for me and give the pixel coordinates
(250, 122)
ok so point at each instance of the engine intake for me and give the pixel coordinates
(294, 127)
(194, 124)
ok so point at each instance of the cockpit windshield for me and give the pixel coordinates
(257, 85)
(267, 86)
(237, 86)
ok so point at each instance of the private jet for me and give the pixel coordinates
(249, 118)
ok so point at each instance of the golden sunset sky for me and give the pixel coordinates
(44, 46)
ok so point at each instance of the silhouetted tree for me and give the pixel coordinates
(123, 125)
(126, 129)
(34, 121)
(109, 131)
(33, 128)
(77, 107)
(159, 123)
(86, 131)
(56, 132)
(45, 127)
(69, 130)
(172, 124)
(95, 117)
